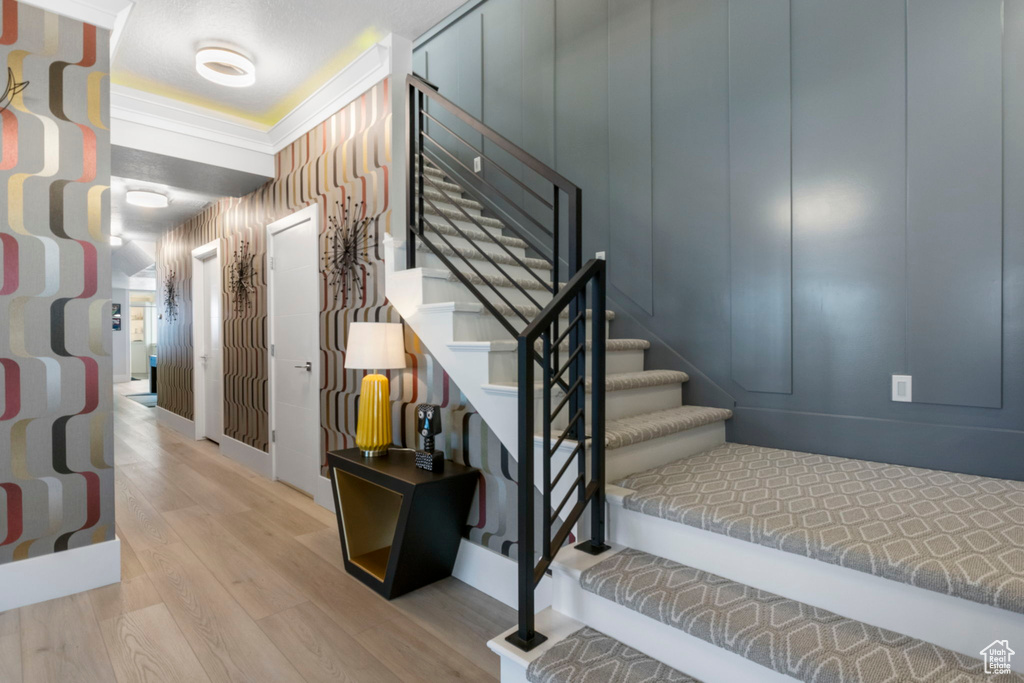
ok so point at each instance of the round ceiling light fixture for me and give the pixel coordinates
(146, 198)
(225, 67)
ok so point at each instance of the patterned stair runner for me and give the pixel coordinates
(589, 656)
(798, 640)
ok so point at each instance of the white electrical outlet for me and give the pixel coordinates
(478, 164)
(902, 388)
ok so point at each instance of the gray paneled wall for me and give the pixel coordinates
(800, 198)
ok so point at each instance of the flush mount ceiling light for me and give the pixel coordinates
(225, 67)
(150, 200)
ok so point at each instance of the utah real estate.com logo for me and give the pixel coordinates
(997, 657)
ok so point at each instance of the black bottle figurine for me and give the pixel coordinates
(428, 424)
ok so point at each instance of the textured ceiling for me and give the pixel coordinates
(297, 46)
(134, 222)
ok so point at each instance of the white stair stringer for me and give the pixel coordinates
(954, 623)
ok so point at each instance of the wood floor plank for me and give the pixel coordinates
(257, 587)
(10, 646)
(10, 623)
(159, 491)
(146, 646)
(214, 497)
(414, 654)
(449, 609)
(138, 520)
(130, 565)
(321, 650)
(61, 641)
(327, 544)
(351, 604)
(293, 520)
(227, 642)
(121, 598)
(10, 658)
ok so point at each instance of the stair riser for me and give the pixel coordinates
(504, 366)
(953, 623)
(431, 260)
(486, 245)
(437, 290)
(478, 327)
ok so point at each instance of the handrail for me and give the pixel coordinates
(540, 338)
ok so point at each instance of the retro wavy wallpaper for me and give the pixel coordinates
(56, 431)
(345, 160)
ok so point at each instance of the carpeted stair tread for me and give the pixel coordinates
(476, 235)
(790, 637)
(457, 199)
(456, 215)
(624, 381)
(433, 171)
(532, 312)
(499, 281)
(589, 656)
(475, 255)
(628, 431)
(446, 185)
(957, 534)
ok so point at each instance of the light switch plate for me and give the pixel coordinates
(478, 164)
(902, 388)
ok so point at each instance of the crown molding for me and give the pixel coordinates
(108, 14)
(162, 125)
(372, 66)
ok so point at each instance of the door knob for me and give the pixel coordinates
(204, 357)
(308, 366)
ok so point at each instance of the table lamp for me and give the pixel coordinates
(374, 346)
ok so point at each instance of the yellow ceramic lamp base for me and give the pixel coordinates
(373, 430)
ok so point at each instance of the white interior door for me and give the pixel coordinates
(295, 342)
(212, 349)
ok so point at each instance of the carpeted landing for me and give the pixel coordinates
(952, 533)
(792, 638)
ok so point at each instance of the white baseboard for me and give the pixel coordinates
(324, 494)
(180, 424)
(256, 460)
(496, 575)
(481, 568)
(122, 379)
(47, 577)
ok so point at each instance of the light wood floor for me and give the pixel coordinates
(227, 576)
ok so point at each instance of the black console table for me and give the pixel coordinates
(400, 526)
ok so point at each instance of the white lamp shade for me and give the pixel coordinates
(375, 346)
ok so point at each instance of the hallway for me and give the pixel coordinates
(229, 576)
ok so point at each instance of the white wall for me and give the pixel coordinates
(121, 341)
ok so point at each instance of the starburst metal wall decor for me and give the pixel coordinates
(170, 297)
(13, 88)
(242, 281)
(349, 240)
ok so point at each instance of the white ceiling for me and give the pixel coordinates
(139, 223)
(297, 46)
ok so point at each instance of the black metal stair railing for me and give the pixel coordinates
(558, 349)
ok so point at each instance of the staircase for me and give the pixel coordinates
(724, 562)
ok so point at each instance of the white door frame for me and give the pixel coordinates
(199, 319)
(310, 213)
